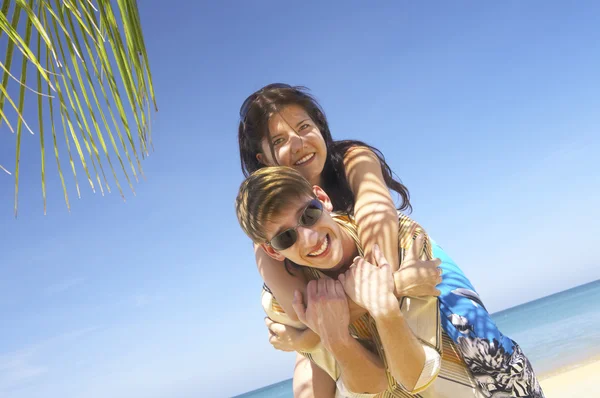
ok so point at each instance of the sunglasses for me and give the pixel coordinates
(310, 215)
(248, 102)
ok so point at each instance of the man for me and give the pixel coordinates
(393, 350)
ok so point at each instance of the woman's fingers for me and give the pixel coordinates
(277, 328)
(268, 322)
(378, 256)
(415, 250)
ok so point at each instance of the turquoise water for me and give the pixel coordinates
(555, 331)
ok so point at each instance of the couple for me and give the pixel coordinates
(395, 348)
(403, 344)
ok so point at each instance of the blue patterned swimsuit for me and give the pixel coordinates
(496, 362)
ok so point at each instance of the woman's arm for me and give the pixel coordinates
(279, 281)
(282, 286)
(417, 277)
(374, 210)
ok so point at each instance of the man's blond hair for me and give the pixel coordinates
(265, 194)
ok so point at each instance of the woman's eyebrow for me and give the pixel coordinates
(300, 122)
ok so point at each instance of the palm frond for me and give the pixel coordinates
(92, 74)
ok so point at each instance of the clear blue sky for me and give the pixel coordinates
(487, 111)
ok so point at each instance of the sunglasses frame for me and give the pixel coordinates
(318, 204)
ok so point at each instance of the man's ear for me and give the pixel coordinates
(272, 252)
(323, 197)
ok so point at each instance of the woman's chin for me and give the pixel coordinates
(312, 173)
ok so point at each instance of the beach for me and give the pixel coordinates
(581, 381)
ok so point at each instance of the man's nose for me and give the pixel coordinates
(308, 237)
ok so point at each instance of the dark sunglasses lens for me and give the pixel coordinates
(312, 213)
(284, 240)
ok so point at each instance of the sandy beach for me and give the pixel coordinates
(578, 382)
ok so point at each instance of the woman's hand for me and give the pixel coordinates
(288, 338)
(371, 286)
(283, 337)
(417, 277)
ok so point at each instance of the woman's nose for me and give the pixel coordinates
(296, 143)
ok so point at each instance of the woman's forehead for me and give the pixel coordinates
(294, 110)
(286, 117)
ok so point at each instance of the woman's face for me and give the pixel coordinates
(297, 142)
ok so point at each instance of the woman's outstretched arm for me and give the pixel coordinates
(374, 210)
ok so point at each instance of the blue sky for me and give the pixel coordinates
(487, 112)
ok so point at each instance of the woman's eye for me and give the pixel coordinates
(278, 141)
(304, 126)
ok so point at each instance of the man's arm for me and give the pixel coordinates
(372, 287)
(404, 353)
(327, 314)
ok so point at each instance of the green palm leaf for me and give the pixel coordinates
(92, 74)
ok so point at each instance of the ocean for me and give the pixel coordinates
(555, 332)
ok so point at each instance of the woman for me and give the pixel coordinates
(283, 125)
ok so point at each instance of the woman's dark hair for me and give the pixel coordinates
(254, 126)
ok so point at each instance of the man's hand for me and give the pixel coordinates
(417, 277)
(371, 286)
(326, 311)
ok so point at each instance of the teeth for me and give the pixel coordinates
(321, 249)
(305, 159)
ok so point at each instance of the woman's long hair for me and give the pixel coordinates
(254, 126)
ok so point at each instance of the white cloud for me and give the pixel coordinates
(23, 367)
(19, 368)
(63, 286)
(144, 300)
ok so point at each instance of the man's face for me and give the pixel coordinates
(318, 246)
